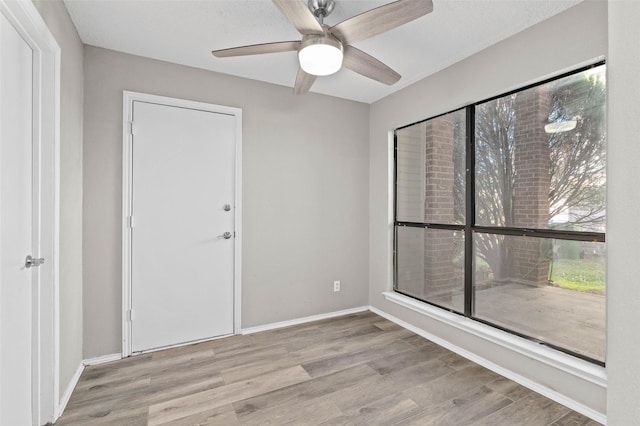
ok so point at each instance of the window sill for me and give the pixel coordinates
(543, 354)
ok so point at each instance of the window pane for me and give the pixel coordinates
(430, 265)
(540, 156)
(431, 170)
(552, 290)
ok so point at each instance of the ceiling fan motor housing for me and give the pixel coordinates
(321, 8)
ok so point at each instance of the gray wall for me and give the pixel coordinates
(623, 203)
(305, 192)
(57, 19)
(573, 37)
(294, 161)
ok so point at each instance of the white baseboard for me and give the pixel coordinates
(524, 381)
(102, 359)
(64, 400)
(303, 320)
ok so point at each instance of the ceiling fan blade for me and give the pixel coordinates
(257, 49)
(368, 66)
(304, 82)
(300, 16)
(380, 19)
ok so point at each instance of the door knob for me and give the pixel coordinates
(226, 207)
(226, 235)
(30, 261)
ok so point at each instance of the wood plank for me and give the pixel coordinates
(508, 388)
(575, 419)
(192, 404)
(313, 389)
(467, 409)
(309, 412)
(109, 413)
(222, 416)
(338, 362)
(389, 364)
(351, 400)
(451, 385)
(455, 361)
(166, 391)
(389, 410)
(325, 350)
(532, 410)
(90, 392)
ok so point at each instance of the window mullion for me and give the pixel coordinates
(470, 213)
(395, 211)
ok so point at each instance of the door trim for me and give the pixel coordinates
(46, 405)
(127, 164)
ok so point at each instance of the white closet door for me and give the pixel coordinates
(16, 221)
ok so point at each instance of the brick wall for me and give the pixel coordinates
(439, 208)
(531, 188)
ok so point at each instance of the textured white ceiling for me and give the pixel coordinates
(185, 32)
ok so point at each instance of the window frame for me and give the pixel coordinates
(469, 227)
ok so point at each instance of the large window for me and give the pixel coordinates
(500, 212)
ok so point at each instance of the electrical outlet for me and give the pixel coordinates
(336, 286)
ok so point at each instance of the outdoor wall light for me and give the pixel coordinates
(560, 126)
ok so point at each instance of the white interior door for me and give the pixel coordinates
(18, 226)
(182, 205)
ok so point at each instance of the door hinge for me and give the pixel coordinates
(130, 127)
(130, 221)
(129, 315)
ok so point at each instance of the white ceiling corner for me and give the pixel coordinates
(186, 31)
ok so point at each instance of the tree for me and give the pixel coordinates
(578, 157)
(576, 163)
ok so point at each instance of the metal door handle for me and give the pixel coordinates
(30, 261)
(226, 235)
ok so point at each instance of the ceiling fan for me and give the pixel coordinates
(323, 50)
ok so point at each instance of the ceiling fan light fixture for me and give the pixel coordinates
(320, 54)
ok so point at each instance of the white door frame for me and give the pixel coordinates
(127, 164)
(24, 16)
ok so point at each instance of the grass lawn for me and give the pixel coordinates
(586, 275)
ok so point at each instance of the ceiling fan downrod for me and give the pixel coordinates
(321, 8)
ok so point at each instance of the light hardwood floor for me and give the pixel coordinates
(357, 369)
